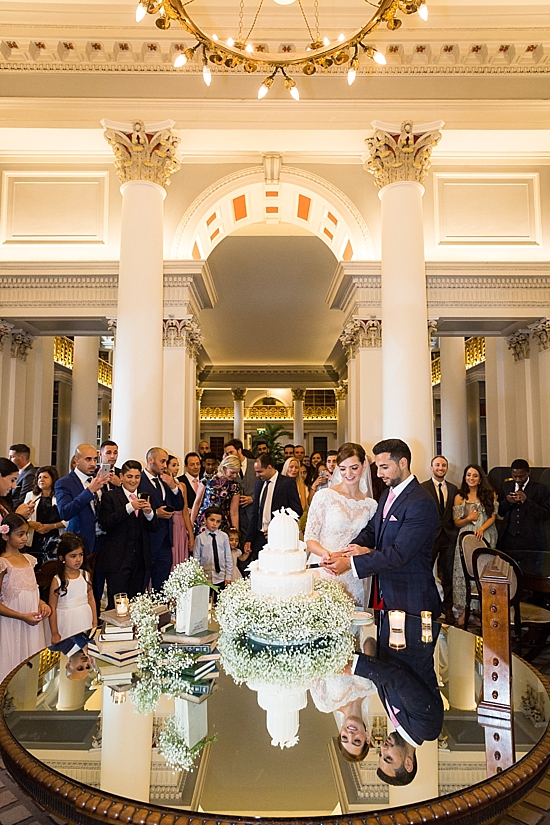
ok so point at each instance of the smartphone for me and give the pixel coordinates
(169, 508)
(104, 470)
(144, 496)
(322, 473)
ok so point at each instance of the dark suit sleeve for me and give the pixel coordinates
(504, 506)
(253, 523)
(420, 521)
(175, 498)
(366, 536)
(69, 506)
(538, 507)
(112, 511)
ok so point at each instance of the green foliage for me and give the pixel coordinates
(271, 435)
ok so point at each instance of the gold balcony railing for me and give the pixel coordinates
(474, 354)
(63, 353)
(274, 413)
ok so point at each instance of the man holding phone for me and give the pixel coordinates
(108, 454)
(524, 505)
(165, 497)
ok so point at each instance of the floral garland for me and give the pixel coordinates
(291, 667)
(178, 755)
(184, 576)
(298, 618)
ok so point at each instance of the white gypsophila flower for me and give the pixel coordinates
(172, 746)
(184, 576)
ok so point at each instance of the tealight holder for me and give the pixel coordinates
(122, 604)
(426, 617)
(397, 629)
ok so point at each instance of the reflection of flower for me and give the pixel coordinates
(295, 619)
(289, 667)
(172, 745)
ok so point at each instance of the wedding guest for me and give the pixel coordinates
(291, 469)
(8, 480)
(165, 497)
(331, 462)
(210, 464)
(221, 491)
(71, 601)
(524, 505)
(46, 522)
(182, 529)
(315, 460)
(443, 493)
(108, 454)
(191, 477)
(128, 522)
(288, 452)
(236, 553)
(20, 455)
(299, 452)
(262, 448)
(203, 448)
(247, 480)
(212, 550)
(322, 479)
(339, 513)
(475, 511)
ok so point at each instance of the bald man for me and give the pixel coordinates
(78, 495)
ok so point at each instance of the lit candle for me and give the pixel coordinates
(426, 626)
(122, 603)
(397, 629)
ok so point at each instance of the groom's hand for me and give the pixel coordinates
(355, 550)
(337, 565)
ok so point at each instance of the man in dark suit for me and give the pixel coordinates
(247, 481)
(165, 497)
(78, 495)
(443, 493)
(20, 455)
(108, 454)
(396, 545)
(127, 520)
(272, 491)
(191, 477)
(524, 505)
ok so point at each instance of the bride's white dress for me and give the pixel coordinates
(334, 521)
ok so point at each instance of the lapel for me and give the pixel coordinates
(396, 505)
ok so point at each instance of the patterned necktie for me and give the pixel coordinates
(215, 552)
(133, 498)
(388, 504)
(441, 499)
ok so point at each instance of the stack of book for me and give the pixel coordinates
(114, 641)
(201, 677)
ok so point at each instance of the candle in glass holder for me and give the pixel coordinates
(122, 603)
(397, 629)
(426, 626)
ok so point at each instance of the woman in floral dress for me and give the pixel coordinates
(223, 491)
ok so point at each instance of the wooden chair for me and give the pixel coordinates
(467, 546)
(535, 620)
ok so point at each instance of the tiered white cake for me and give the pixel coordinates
(280, 571)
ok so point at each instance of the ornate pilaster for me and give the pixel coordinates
(182, 332)
(519, 345)
(5, 332)
(239, 394)
(401, 157)
(298, 394)
(358, 334)
(432, 330)
(21, 344)
(199, 394)
(541, 331)
(145, 153)
(341, 391)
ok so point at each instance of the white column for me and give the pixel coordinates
(39, 400)
(399, 162)
(462, 651)
(5, 343)
(362, 341)
(72, 694)
(541, 333)
(85, 396)
(526, 397)
(198, 392)
(238, 412)
(125, 749)
(454, 405)
(15, 386)
(298, 396)
(144, 164)
(341, 413)
(500, 403)
(181, 337)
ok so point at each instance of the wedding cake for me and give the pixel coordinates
(280, 571)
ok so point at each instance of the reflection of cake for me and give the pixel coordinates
(280, 571)
(283, 706)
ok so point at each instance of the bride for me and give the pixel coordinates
(338, 513)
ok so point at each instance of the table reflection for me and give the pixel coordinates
(408, 713)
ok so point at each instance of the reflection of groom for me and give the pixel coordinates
(396, 545)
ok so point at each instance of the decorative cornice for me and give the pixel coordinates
(519, 345)
(143, 154)
(403, 157)
(21, 344)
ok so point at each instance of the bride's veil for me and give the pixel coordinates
(365, 484)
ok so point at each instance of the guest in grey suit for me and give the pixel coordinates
(443, 493)
(247, 481)
(20, 454)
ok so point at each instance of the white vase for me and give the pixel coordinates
(192, 610)
(192, 720)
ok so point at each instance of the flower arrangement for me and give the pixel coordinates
(298, 618)
(184, 576)
(290, 667)
(179, 756)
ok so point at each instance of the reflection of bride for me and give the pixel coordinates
(347, 695)
(338, 513)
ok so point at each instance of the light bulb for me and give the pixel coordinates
(262, 91)
(284, 2)
(141, 11)
(230, 41)
(423, 12)
(295, 93)
(326, 41)
(214, 37)
(341, 38)
(249, 48)
(379, 58)
(206, 74)
(180, 60)
(352, 74)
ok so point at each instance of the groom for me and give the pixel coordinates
(396, 545)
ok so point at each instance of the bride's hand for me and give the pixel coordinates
(355, 550)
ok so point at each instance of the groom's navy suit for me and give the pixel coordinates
(402, 555)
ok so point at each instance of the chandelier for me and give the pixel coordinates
(238, 44)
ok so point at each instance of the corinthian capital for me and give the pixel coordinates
(239, 393)
(5, 332)
(541, 331)
(519, 345)
(143, 152)
(21, 344)
(358, 333)
(401, 155)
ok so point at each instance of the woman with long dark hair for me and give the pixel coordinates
(46, 522)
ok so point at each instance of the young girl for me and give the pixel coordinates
(21, 609)
(71, 596)
(235, 553)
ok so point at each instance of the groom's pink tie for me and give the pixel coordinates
(388, 504)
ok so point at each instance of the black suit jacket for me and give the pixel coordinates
(285, 494)
(525, 520)
(172, 497)
(126, 536)
(191, 495)
(446, 532)
(25, 483)
(402, 555)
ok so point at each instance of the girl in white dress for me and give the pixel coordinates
(21, 610)
(71, 596)
(339, 512)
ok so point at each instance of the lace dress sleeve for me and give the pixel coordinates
(315, 517)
